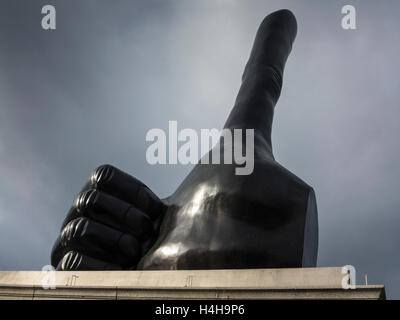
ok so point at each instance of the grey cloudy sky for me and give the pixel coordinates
(87, 93)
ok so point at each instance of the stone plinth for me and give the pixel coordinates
(299, 283)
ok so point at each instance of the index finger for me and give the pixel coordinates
(262, 77)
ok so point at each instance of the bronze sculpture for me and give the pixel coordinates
(215, 219)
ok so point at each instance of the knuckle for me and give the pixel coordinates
(140, 224)
(130, 246)
(86, 200)
(265, 77)
(73, 231)
(270, 79)
(144, 226)
(145, 222)
(147, 200)
(102, 174)
(70, 261)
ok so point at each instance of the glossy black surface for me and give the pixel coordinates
(215, 219)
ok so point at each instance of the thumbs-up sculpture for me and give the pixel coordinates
(216, 219)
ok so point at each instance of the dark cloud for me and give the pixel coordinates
(87, 93)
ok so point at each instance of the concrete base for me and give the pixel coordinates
(301, 283)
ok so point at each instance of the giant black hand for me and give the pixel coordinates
(111, 224)
(215, 219)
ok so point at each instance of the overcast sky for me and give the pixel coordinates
(87, 93)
